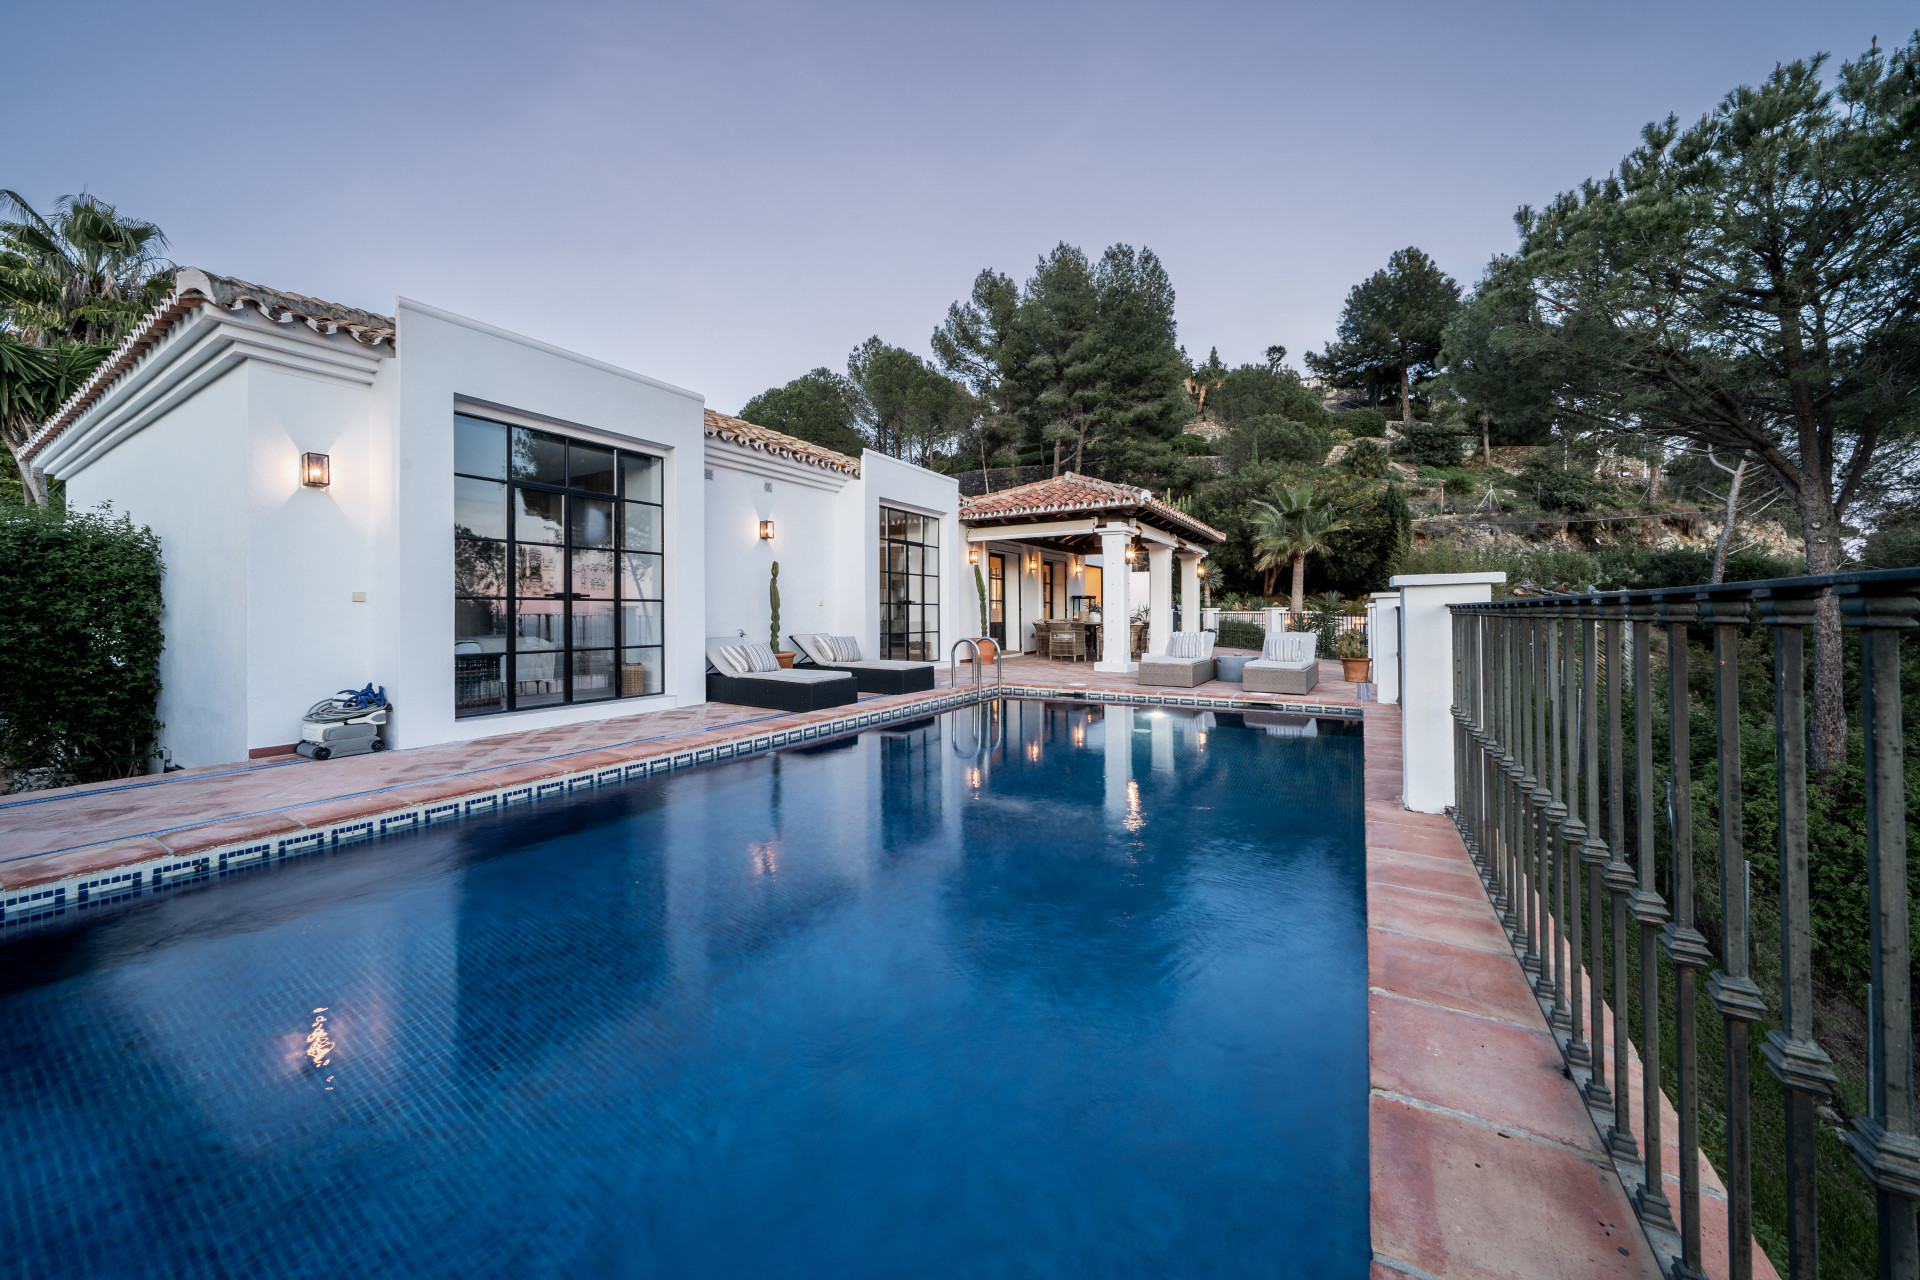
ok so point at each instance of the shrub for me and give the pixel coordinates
(1567, 492)
(80, 643)
(1428, 445)
(1362, 422)
(1365, 458)
(1275, 439)
(1241, 635)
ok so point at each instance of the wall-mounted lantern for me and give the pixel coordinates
(973, 555)
(766, 530)
(1132, 555)
(314, 470)
(1200, 571)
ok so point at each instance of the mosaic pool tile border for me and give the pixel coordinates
(167, 871)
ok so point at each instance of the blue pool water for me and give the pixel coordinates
(1077, 991)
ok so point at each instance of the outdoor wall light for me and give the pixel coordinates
(1200, 571)
(766, 530)
(1130, 555)
(973, 555)
(314, 470)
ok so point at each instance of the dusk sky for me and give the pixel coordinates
(727, 196)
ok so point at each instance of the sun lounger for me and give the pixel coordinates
(783, 690)
(1188, 662)
(875, 675)
(1286, 665)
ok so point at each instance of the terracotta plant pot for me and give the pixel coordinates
(786, 657)
(1354, 670)
(987, 649)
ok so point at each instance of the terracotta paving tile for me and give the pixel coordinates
(215, 834)
(1507, 1075)
(59, 866)
(1482, 982)
(1415, 871)
(1427, 915)
(1409, 839)
(1461, 1199)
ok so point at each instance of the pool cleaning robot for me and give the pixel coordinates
(347, 724)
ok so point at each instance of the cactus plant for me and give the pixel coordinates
(980, 585)
(773, 598)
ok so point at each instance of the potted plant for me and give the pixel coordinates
(1351, 649)
(987, 648)
(786, 656)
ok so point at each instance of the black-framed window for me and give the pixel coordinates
(557, 574)
(909, 585)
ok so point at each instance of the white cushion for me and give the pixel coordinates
(1190, 644)
(846, 649)
(1289, 646)
(745, 659)
(818, 646)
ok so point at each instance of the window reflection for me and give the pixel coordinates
(557, 569)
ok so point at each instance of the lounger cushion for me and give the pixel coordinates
(1289, 646)
(846, 649)
(747, 658)
(817, 645)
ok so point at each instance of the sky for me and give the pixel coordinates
(726, 196)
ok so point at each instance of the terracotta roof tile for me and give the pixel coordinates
(194, 288)
(1071, 492)
(751, 436)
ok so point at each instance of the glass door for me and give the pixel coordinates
(997, 597)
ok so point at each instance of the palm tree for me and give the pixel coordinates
(71, 286)
(1289, 529)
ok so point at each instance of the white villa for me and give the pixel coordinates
(509, 536)
(505, 535)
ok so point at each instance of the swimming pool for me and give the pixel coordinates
(1047, 990)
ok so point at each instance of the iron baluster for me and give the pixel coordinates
(1884, 1143)
(1593, 855)
(1651, 914)
(1791, 1053)
(1682, 942)
(1730, 988)
(1619, 880)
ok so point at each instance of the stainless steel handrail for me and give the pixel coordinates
(953, 664)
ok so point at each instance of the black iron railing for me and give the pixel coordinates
(1543, 776)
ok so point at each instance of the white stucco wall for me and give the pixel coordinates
(804, 504)
(307, 550)
(186, 479)
(447, 360)
(886, 480)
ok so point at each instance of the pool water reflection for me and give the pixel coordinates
(1059, 990)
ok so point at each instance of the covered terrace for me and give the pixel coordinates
(1070, 548)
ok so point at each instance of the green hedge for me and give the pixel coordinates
(1241, 635)
(80, 643)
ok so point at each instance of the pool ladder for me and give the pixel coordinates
(953, 665)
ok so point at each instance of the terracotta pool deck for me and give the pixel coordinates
(1484, 1159)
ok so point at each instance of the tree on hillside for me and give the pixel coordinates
(71, 286)
(1391, 329)
(907, 408)
(818, 406)
(1255, 391)
(1083, 357)
(1749, 283)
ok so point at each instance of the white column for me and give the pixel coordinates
(1189, 590)
(1115, 608)
(1383, 644)
(1426, 697)
(1159, 596)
